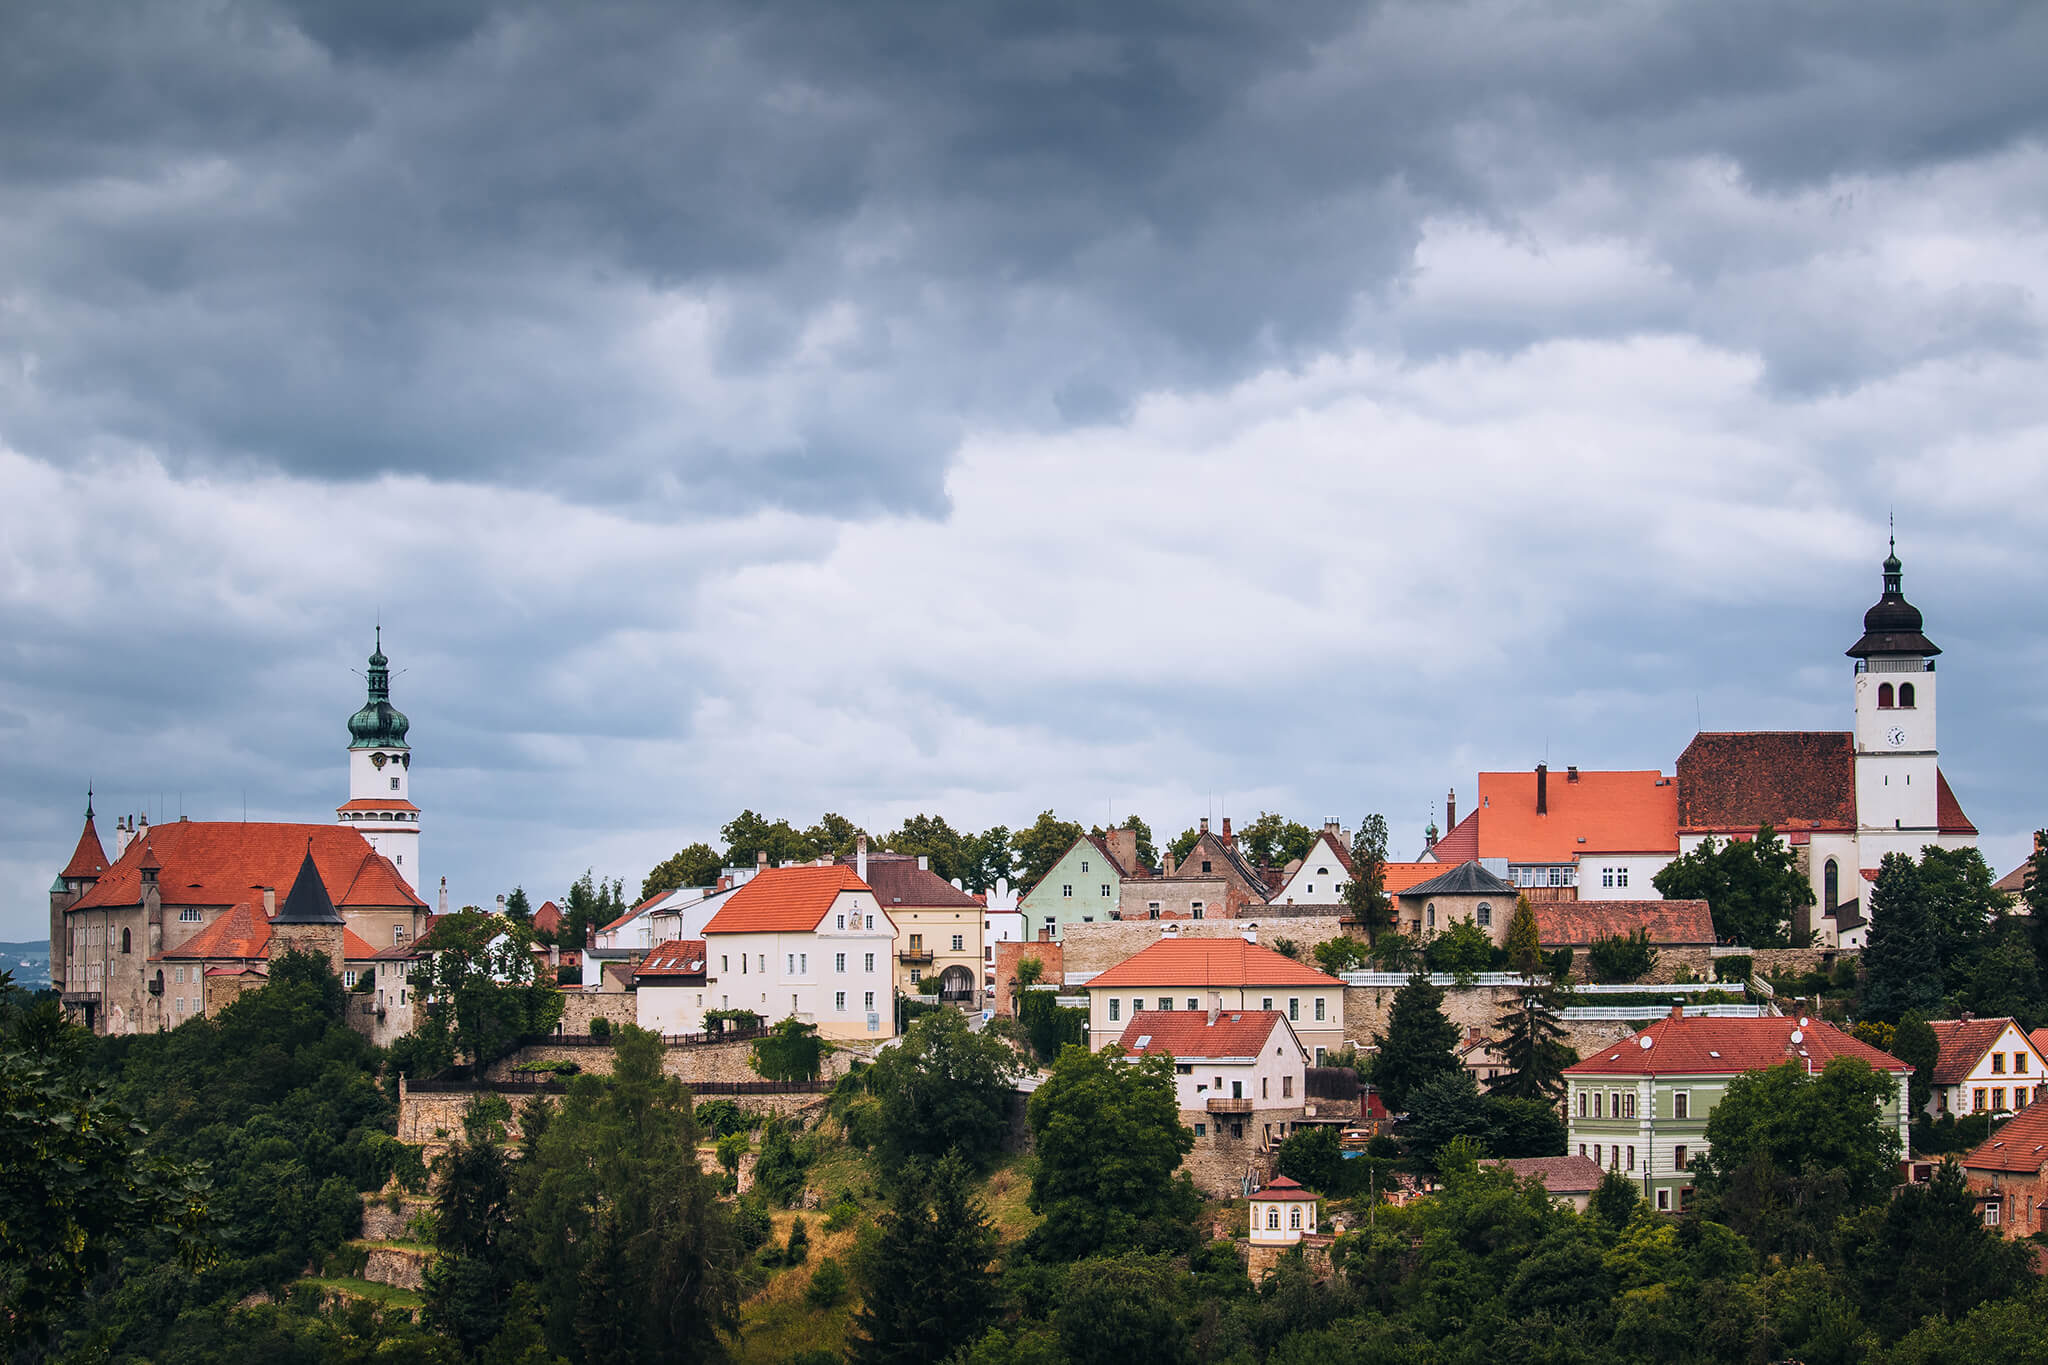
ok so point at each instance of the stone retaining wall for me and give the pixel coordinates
(1100, 946)
(432, 1120)
(687, 1062)
(580, 1007)
(1700, 962)
(382, 1223)
(400, 1267)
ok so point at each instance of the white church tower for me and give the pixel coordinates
(379, 804)
(1897, 782)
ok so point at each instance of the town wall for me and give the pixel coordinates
(580, 1007)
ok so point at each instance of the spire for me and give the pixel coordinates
(88, 803)
(89, 859)
(1893, 626)
(308, 902)
(379, 725)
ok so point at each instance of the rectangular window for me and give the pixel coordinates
(1319, 1056)
(1067, 890)
(1977, 1098)
(1287, 1087)
(916, 975)
(1084, 866)
(1265, 1087)
(959, 943)
(1115, 1009)
(1614, 1103)
(839, 1000)
(1596, 1105)
(1105, 890)
(348, 980)
(178, 975)
(791, 967)
(839, 962)
(1631, 1156)
(1266, 1002)
(1319, 1009)
(1678, 1157)
(1193, 1003)
(1621, 876)
(1998, 1063)
(841, 922)
(803, 964)
(394, 784)
(1991, 1214)
(2019, 1063)
(725, 963)
(762, 964)
(184, 917)
(1628, 1106)
(1294, 1009)
(1165, 1002)
(870, 1001)
(1136, 1006)
(1582, 1104)
(870, 962)
(1663, 1201)
(1606, 876)
(871, 921)
(1681, 1105)
(1998, 1100)
(1201, 1130)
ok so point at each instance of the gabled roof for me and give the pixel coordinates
(1964, 1043)
(1594, 812)
(1788, 779)
(89, 859)
(1460, 844)
(899, 883)
(547, 919)
(1696, 1046)
(219, 862)
(679, 957)
(1671, 924)
(1466, 879)
(1948, 812)
(377, 883)
(2020, 1144)
(1559, 1174)
(785, 900)
(1236, 1035)
(2016, 882)
(1186, 962)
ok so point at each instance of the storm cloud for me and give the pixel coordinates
(982, 408)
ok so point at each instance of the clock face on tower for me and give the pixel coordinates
(1896, 737)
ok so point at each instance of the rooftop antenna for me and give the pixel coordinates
(1699, 724)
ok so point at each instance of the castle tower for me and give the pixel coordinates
(88, 864)
(1896, 779)
(379, 804)
(307, 922)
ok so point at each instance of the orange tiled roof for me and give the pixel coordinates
(219, 862)
(677, 957)
(1579, 924)
(1227, 961)
(244, 933)
(1189, 1034)
(374, 803)
(1284, 1189)
(1696, 1046)
(2020, 1145)
(1460, 844)
(89, 859)
(1963, 1044)
(1401, 876)
(377, 883)
(785, 900)
(1602, 812)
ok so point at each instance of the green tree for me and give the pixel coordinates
(694, 865)
(1914, 1043)
(591, 903)
(942, 1088)
(1418, 1045)
(1183, 844)
(1274, 840)
(931, 836)
(636, 1255)
(927, 1288)
(834, 836)
(1925, 1253)
(484, 985)
(792, 1051)
(517, 907)
(1524, 942)
(1464, 949)
(1042, 845)
(1447, 1105)
(1621, 958)
(748, 835)
(468, 1286)
(1366, 900)
(1120, 1309)
(1956, 887)
(1341, 954)
(1048, 1025)
(989, 859)
(1532, 1044)
(1110, 1141)
(1901, 964)
(1523, 1127)
(1752, 887)
(1615, 1200)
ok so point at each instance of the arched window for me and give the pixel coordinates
(1273, 1219)
(1831, 885)
(124, 940)
(1884, 696)
(1432, 916)
(1485, 915)
(1294, 1219)
(1905, 694)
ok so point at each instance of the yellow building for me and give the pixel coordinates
(938, 926)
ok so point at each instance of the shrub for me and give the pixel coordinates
(600, 1027)
(1733, 968)
(779, 1171)
(1560, 965)
(721, 1118)
(1287, 947)
(569, 974)
(1462, 949)
(750, 1222)
(799, 1248)
(1341, 954)
(842, 1215)
(828, 1285)
(1622, 959)
(1843, 977)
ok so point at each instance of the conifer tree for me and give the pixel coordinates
(1524, 942)
(1418, 1044)
(1365, 896)
(1532, 1044)
(927, 1286)
(1903, 958)
(1914, 1042)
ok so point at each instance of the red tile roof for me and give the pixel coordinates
(2020, 1145)
(1401, 876)
(1460, 844)
(785, 900)
(1964, 1043)
(2014, 883)
(1695, 1046)
(374, 803)
(1228, 961)
(377, 883)
(89, 859)
(1601, 812)
(1789, 779)
(1577, 924)
(899, 882)
(2039, 1038)
(1559, 1174)
(547, 919)
(1283, 1189)
(244, 933)
(221, 862)
(1948, 812)
(679, 957)
(1189, 1035)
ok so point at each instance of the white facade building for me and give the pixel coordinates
(379, 805)
(1323, 874)
(809, 943)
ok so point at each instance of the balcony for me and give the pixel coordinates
(80, 997)
(915, 957)
(1229, 1104)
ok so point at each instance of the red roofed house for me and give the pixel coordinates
(1640, 1106)
(938, 925)
(1569, 1180)
(1589, 835)
(670, 985)
(192, 903)
(1986, 1066)
(1183, 972)
(810, 943)
(1841, 799)
(1240, 1078)
(2008, 1172)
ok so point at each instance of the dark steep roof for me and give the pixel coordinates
(899, 882)
(1466, 879)
(1892, 626)
(1788, 779)
(308, 902)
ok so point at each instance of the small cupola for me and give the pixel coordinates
(1893, 625)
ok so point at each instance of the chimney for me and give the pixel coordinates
(860, 857)
(1166, 862)
(1543, 789)
(444, 896)
(1213, 1012)
(1226, 831)
(1205, 824)
(1333, 827)
(1677, 1012)
(1451, 809)
(761, 860)
(501, 902)
(1123, 846)
(724, 882)
(1571, 774)
(924, 862)
(1045, 935)
(269, 902)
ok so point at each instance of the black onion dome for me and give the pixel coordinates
(1893, 625)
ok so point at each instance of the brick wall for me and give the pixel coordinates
(1008, 955)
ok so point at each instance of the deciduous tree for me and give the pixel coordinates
(1752, 887)
(1109, 1141)
(696, 865)
(1042, 845)
(942, 1088)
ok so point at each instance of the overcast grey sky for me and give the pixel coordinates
(984, 408)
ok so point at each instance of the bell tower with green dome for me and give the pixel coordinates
(379, 805)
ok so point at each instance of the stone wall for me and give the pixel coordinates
(1219, 1161)
(382, 1223)
(689, 1062)
(1008, 955)
(400, 1267)
(1098, 947)
(432, 1120)
(580, 1007)
(1700, 962)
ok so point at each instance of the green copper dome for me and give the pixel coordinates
(379, 725)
